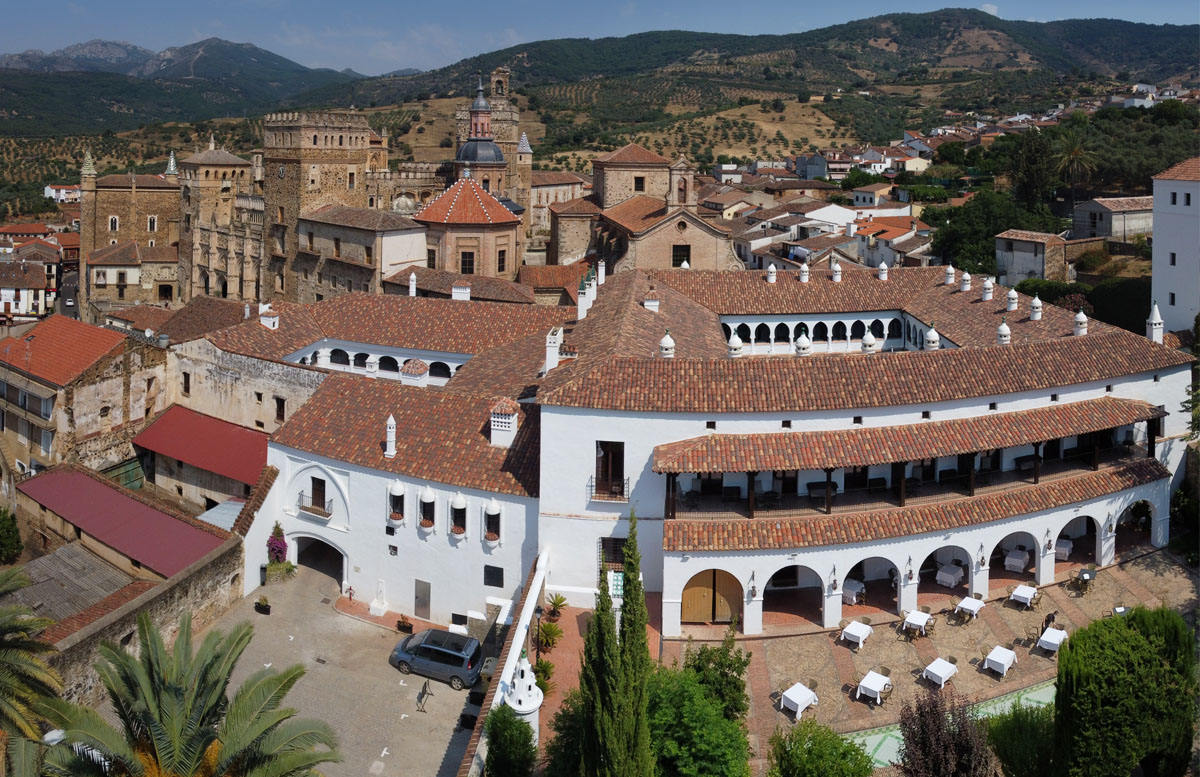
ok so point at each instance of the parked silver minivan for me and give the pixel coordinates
(442, 655)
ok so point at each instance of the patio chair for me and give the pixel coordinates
(930, 625)
(843, 623)
(777, 699)
(885, 694)
(883, 670)
(1092, 567)
(910, 632)
(953, 660)
(812, 684)
(977, 596)
(1108, 613)
(861, 597)
(865, 620)
(954, 602)
(1036, 601)
(1032, 635)
(924, 608)
(1010, 589)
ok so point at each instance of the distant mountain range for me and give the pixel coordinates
(98, 85)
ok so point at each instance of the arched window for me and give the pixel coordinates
(204, 283)
(458, 520)
(839, 331)
(338, 356)
(727, 331)
(820, 331)
(781, 333)
(370, 202)
(388, 364)
(224, 288)
(877, 329)
(762, 333)
(743, 331)
(491, 523)
(360, 361)
(894, 329)
(439, 370)
(857, 330)
(114, 223)
(801, 329)
(340, 137)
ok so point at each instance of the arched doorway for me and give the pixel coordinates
(880, 588)
(321, 557)
(712, 596)
(793, 596)
(1132, 529)
(944, 573)
(1013, 562)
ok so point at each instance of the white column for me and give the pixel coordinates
(672, 615)
(1106, 544)
(908, 591)
(979, 580)
(1044, 570)
(1160, 529)
(831, 610)
(752, 614)
(323, 357)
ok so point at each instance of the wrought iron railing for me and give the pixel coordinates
(616, 490)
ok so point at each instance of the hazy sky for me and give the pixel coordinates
(372, 37)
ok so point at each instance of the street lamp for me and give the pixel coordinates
(537, 635)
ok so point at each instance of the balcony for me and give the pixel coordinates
(322, 508)
(604, 490)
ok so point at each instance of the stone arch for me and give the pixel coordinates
(857, 330)
(204, 282)
(839, 330)
(712, 596)
(880, 576)
(439, 370)
(306, 550)
(948, 557)
(762, 333)
(877, 329)
(223, 284)
(338, 356)
(782, 333)
(1004, 570)
(388, 364)
(743, 331)
(893, 330)
(727, 331)
(1081, 533)
(820, 331)
(794, 591)
(802, 329)
(360, 361)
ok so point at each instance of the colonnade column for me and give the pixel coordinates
(907, 595)
(1106, 544)
(752, 613)
(979, 581)
(672, 615)
(831, 608)
(1044, 568)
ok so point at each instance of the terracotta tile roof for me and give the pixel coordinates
(1187, 170)
(125, 181)
(369, 219)
(400, 321)
(131, 253)
(22, 275)
(511, 370)
(912, 244)
(727, 198)
(874, 187)
(632, 154)
(1120, 204)
(213, 156)
(638, 213)
(884, 445)
(25, 229)
(202, 315)
(1183, 338)
(465, 203)
(258, 495)
(580, 206)
(683, 536)
(211, 444)
(553, 178)
(143, 317)
(59, 349)
(823, 242)
(1033, 237)
(440, 435)
(67, 239)
(66, 627)
(442, 282)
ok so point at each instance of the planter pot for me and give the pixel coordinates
(458, 536)
(404, 628)
(491, 542)
(264, 609)
(424, 529)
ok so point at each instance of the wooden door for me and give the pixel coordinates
(698, 598)
(727, 597)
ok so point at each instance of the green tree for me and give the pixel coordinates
(942, 738)
(10, 537)
(511, 752)
(1191, 405)
(24, 676)
(1074, 160)
(602, 752)
(1125, 696)
(953, 153)
(635, 661)
(1031, 169)
(570, 726)
(809, 749)
(1023, 740)
(692, 738)
(722, 671)
(966, 235)
(1123, 302)
(176, 718)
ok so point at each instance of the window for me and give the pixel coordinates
(710, 424)
(1008, 245)
(310, 241)
(47, 439)
(858, 420)
(493, 577)
(280, 409)
(101, 279)
(152, 223)
(1171, 298)
(431, 258)
(396, 503)
(487, 185)
(337, 246)
(491, 526)
(389, 531)
(350, 181)
(1187, 198)
(1108, 389)
(1156, 378)
(926, 415)
(787, 424)
(314, 140)
(610, 469)
(991, 405)
(1054, 397)
(1172, 258)
(258, 396)
(1174, 198)
(612, 554)
(639, 183)
(114, 223)
(280, 215)
(427, 513)
(458, 520)
(681, 254)
(317, 495)
(501, 260)
(456, 619)
(370, 253)
(466, 263)
(392, 549)
(187, 384)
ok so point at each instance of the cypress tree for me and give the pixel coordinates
(635, 663)
(600, 689)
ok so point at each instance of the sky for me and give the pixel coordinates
(374, 36)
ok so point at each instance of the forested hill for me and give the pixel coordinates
(865, 52)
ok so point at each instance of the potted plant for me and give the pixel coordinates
(556, 602)
(404, 625)
(263, 605)
(548, 635)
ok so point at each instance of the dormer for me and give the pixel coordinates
(502, 428)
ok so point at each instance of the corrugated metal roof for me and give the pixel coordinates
(207, 443)
(223, 515)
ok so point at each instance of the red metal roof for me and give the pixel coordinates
(157, 540)
(207, 443)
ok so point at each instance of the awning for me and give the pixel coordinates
(886, 444)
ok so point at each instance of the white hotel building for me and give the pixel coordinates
(793, 431)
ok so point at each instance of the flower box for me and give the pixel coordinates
(396, 517)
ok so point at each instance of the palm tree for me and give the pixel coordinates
(1074, 160)
(176, 718)
(24, 676)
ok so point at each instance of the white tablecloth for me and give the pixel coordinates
(1023, 594)
(940, 671)
(851, 589)
(1052, 639)
(1016, 560)
(950, 575)
(971, 605)
(1062, 550)
(1000, 660)
(917, 619)
(798, 698)
(856, 631)
(872, 685)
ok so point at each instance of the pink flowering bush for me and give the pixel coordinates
(276, 545)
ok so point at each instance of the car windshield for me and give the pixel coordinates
(407, 640)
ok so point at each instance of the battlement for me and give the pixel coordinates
(346, 119)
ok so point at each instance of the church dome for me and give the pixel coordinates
(484, 151)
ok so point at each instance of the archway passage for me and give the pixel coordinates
(870, 588)
(1013, 561)
(321, 557)
(944, 573)
(712, 596)
(793, 597)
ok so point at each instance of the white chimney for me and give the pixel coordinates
(414, 373)
(933, 341)
(804, 272)
(988, 285)
(651, 301)
(600, 272)
(1154, 325)
(246, 311)
(851, 228)
(965, 283)
(503, 427)
(837, 270)
(869, 343)
(582, 303)
(735, 345)
(461, 290)
(1003, 333)
(412, 283)
(1081, 323)
(269, 319)
(524, 696)
(389, 445)
(883, 270)
(666, 346)
(803, 345)
(771, 273)
(372, 364)
(949, 275)
(554, 341)
(1035, 309)
(686, 265)
(1011, 301)
(323, 357)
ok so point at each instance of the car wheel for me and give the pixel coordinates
(404, 667)
(456, 683)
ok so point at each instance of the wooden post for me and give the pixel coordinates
(1151, 429)
(828, 491)
(898, 474)
(1095, 451)
(971, 477)
(1037, 462)
(750, 477)
(672, 488)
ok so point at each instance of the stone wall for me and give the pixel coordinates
(570, 237)
(206, 590)
(617, 183)
(653, 251)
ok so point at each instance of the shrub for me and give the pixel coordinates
(548, 635)
(1051, 291)
(563, 751)
(690, 735)
(722, 671)
(1023, 740)
(1076, 302)
(446, 142)
(1123, 302)
(10, 537)
(556, 602)
(809, 749)
(511, 752)
(1090, 261)
(942, 738)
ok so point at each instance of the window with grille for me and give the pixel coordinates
(681, 254)
(466, 263)
(612, 554)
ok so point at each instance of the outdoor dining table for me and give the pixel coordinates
(940, 671)
(1121, 610)
(1087, 575)
(851, 589)
(798, 698)
(1016, 560)
(1052, 639)
(1062, 550)
(917, 620)
(1023, 594)
(971, 605)
(873, 685)
(950, 575)
(1000, 660)
(856, 631)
